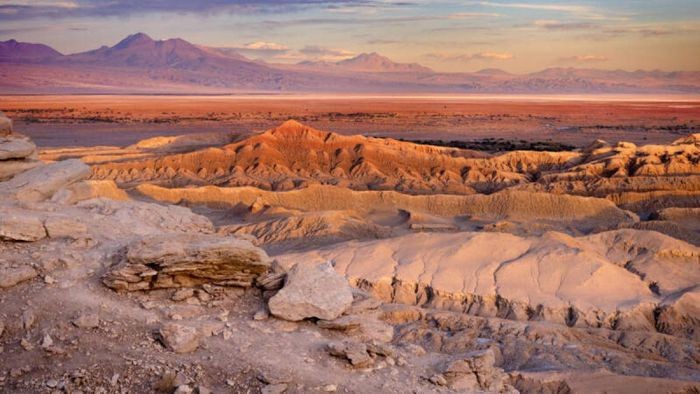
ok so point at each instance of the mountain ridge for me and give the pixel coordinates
(142, 64)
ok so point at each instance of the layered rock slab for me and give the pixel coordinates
(187, 260)
(42, 182)
(17, 154)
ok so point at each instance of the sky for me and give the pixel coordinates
(518, 36)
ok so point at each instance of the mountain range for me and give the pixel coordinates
(140, 64)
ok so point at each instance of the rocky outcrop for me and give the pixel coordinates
(179, 338)
(477, 372)
(41, 183)
(86, 190)
(187, 260)
(21, 225)
(17, 154)
(5, 125)
(312, 291)
(613, 279)
(16, 147)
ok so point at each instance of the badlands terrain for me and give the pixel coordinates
(289, 258)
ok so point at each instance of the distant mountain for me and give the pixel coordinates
(368, 62)
(140, 50)
(15, 50)
(141, 64)
(493, 72)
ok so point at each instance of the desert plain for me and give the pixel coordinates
(349, 244)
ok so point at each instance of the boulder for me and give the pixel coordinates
(15, 147)
(187, 260)
(42, 182)
(312, 291)
(20, 225)
(179, 338)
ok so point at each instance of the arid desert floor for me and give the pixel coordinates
(124, 120)
(355, 245)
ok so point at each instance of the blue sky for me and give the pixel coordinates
(517, 36)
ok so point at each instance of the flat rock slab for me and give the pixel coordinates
(187, 260)
(41, 183)
(11, 168)
(312, 290)
(15, 147)
(21, 225)
(12, 276)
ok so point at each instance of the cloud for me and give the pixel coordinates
(262, 47)
(577, 10)
(567, 8)
(316, 52)
(473, 15)
(483, 56)
(558, 25)
(26, 9)
(584, 59)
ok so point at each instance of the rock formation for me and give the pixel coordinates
(547, 283)
(184, 260)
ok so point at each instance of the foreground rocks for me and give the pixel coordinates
(477, 372)
(42, 182)
(182, 260)
(61, 330)
(179, 338)
(17, 153)
(312, 290)
(21, 226)
(13, 275)
(5, 124)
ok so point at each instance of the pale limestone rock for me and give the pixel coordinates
(187, 260)
(179, 338)
(312, 291)
(12, 276)
(10, 168)
(152, 219)
(21, 225)
(15, 147)
(58, 226)
(41, 183)
(88, 189)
